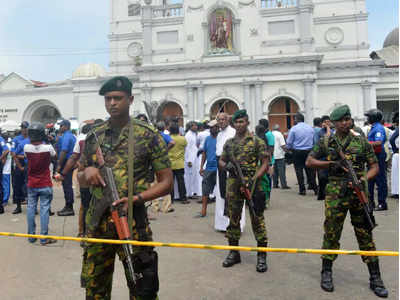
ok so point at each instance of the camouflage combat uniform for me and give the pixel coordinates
(149, 150)
(248, 152)
(340, 198)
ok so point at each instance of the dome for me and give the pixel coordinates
(392, 39)
(89, 70)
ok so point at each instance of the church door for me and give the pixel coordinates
(282, 112)
(223, 105)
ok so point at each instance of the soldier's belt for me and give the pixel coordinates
(205, 247)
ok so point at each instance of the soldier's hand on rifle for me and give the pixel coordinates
(336, 166)
(93, 177)
(124, 201)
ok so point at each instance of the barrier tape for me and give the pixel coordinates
(205, 247)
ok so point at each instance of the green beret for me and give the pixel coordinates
(339, 112)
(241, 113)
(119, 83)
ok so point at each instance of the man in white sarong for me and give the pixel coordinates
(202, 134)
(191, 161)
(226, 133)
(394, 142)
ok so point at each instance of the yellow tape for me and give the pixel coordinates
(206, 247)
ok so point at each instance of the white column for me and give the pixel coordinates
(147, 93)
(200, 102)
(366, 91)
(236, 36)
(246, 96)
(308, 100)
(190, 103)
(259, 100)
(147, 34)
(205, 37)
(306, 8)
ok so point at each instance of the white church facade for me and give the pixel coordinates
(198, 57)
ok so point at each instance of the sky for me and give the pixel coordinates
(46, 40)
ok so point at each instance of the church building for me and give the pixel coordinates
(195, 58)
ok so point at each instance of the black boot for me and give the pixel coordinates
(326, 275)
(1, 209)
(375, 281)
(261, 259)
(233, 257)
(66, 211)
(17, 210)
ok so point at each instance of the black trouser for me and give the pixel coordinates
(86, 196)
(13, 182)
(68, 191)
(20, 183)
(322, 182)
(222, 175)
(299, 160)
(179, 175)
(1, 185)
(280, 173)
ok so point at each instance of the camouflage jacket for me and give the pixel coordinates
(249, 152)
(149, 152)
(355, 148)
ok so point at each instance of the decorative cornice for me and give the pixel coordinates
(125, 36)
(289, 11)
(341, 19)
(286, 42)
(35, 91)
(164, 21)
(336, 48)
(212, 65)
(168, 51)
(352, 64)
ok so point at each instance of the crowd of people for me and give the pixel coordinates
(219, 160)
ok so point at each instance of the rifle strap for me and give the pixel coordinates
(130, 176)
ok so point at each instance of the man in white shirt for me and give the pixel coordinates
(279, 155)
(226, 132)
(191, 161)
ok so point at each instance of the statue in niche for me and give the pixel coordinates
(221, 31)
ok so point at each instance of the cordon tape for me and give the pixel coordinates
(205, 247)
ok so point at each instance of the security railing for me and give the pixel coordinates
(173, 10)
(278, 3)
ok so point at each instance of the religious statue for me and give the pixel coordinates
(221, 32)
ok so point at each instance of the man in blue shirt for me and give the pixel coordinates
(210, 173)
(14, 144)
(65, 149)
(21, 175)
(301, 141)
(3, 155)
(377, 138)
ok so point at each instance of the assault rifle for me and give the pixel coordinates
(244, 186)
(358, 188)
(118, 215)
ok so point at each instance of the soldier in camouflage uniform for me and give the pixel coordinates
(340, 197)
(251, 152)
(149, 151)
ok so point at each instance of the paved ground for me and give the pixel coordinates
(53, 272)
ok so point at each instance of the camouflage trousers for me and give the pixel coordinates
(336, 206)
(235, 206)
(98, 264)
